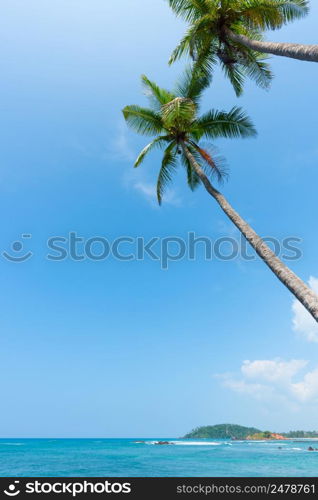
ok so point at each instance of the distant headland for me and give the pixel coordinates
(239, 432)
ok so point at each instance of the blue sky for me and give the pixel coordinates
(120, 349)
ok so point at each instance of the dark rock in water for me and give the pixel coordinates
(311, 448)
(163, 442)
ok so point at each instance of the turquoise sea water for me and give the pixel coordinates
(124, 457)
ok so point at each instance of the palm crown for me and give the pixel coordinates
(173, 118)
(207, 39)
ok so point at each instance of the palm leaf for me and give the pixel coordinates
(236, 76)
(159, 96)
(262, 14)
(273, 13)
(158, 142)
(199, 36)
(178, 113)
(295, 9)
(192, 84)
(182, 48)
(143, 120)
(207, 58)
(232, 124)
(258, 70)
(190, 10)
(168, 167)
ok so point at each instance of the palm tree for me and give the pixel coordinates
(173, 119)
(231, 32)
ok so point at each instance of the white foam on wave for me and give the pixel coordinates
(196, 443)
(13, 444)
(189, 443)
(262, 442)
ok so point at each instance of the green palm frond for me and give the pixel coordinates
(178, 113)
(295, 9)
(190, 10)
(207, 58)
(158, 95)
(272, 14)
(292, 9)
(258, 70)
(249, 64)
(157, 142)
(192, 84)
(232, 124)
(168, 167)
(194, 40)
(236, 76)
(143, 120)
(262, 14)
(202, 26)
(183, 48)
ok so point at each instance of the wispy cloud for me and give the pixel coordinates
(120, 146)
(256, 391)
(148, 190)
(270, 380)
(272, 370)
(136, 179)
(307, 389)
(303, 322)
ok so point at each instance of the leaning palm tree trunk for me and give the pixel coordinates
(297, 287)
(293, 50)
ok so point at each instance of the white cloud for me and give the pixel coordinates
(257, 391)
(149, 192)
(303, 322)
(307, 389)
(272, 370)
(120, 147)
(278, 380)
(270, 380)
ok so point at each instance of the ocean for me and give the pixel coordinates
(183, 458)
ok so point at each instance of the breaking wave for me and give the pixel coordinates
(189, 443)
